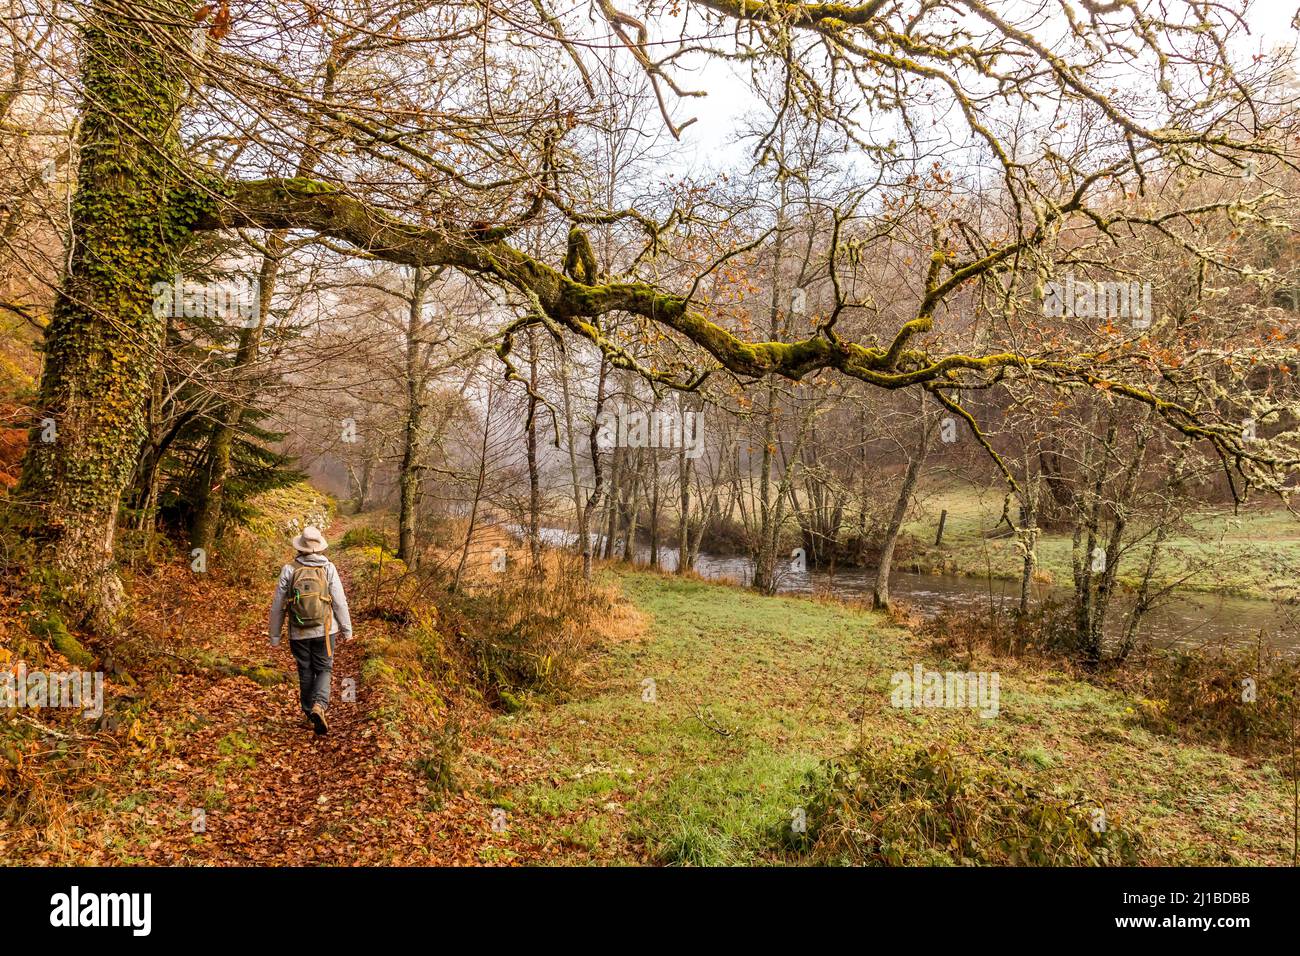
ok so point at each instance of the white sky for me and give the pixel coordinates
(710, 142)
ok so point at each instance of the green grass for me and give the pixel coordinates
(752, 692)
(1251, 554)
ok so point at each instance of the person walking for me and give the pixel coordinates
(310, 594)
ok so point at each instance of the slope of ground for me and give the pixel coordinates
(689, 746)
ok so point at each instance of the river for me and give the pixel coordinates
(1182, 618)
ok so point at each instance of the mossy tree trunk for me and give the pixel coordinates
(134, 207)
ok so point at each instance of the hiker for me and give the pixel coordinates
(310, 590)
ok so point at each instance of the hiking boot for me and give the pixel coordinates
(307, 721)
(317, 717)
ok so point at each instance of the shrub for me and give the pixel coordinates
(502, 638)
(1244, 699)
(363, 537)
(723, 536)
(1046, 630)
(530, 632)
(441, 765)
(247, 561)
(405, 668)
(377, 576)
(921, 806)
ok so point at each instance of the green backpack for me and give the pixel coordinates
(311, 602)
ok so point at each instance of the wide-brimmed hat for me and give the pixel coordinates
(311, 540)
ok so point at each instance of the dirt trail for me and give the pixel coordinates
(244, 780)
(288, 795)
(202, 757)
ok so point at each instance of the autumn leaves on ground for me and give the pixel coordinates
(523, 720)
(202, 756)
(217, 767)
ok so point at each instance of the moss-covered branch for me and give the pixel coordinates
(576, 305)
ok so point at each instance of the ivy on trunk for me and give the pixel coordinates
(136, 203)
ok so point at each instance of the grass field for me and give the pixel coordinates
(1252, 554)
(750, 692)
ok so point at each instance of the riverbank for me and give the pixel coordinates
(1253, 555)
(1176, 618)
(695, 740)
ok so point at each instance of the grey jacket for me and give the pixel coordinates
(342, 626)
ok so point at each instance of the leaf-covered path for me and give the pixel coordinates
(280, 794)
(225, 772)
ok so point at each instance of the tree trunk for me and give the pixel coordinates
(684, 510)
(629, 507)
(880, 590)
(1029, 541)
(478, 491)
(534, 476)
(365, 481)
(769, 529)
(135, 202)
(574, 475)
(408, 477)
(653, 497)
(615, 476)
(597, 474)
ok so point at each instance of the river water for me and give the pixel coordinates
(1182, 618)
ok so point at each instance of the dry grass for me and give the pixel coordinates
(513, 631)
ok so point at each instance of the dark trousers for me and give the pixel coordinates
(315, 668)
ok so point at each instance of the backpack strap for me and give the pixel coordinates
(329, 612)
(328, 599)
